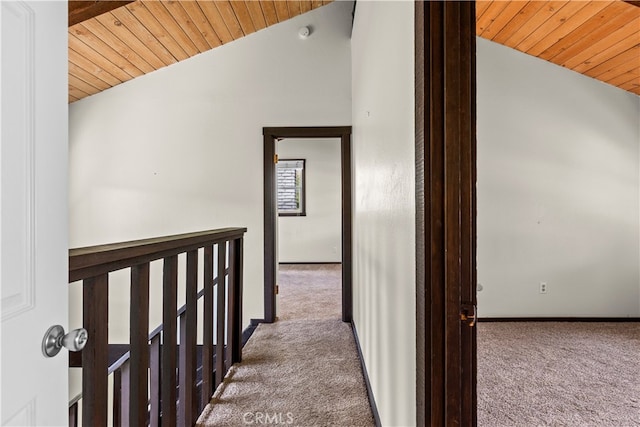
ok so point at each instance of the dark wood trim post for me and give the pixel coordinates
(270, 218)
(347, 233)
(445, 212)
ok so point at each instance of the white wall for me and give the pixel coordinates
(315, 237)
(384, 203)
(558, 190)
(180, 149)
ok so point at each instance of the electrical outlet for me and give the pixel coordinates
(543, 287)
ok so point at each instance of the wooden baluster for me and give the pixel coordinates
(169, 340)
(188, 329)
(125, 393)
(154, 363)
(73, 415)
(222, 255)
(117, 398)
(139, 341)
(236, 351)
(207, 342)
(95, 315)
(231, 307)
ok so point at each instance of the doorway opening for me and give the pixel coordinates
(309, 229)
(271, 136)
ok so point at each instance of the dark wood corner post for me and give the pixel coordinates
(270, 135)
(270, 218)
(347, 232)
(445, 212)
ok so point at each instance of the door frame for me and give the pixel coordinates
(271, 135)
(445, 113)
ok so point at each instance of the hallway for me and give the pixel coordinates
(302, 370)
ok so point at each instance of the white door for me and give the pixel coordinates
(33, 202)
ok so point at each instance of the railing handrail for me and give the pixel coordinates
(160, 379)
(94, 260)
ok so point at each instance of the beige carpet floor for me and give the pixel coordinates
(302, 370)
(558, 374)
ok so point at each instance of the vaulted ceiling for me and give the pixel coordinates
(128, 39)
(600, 39)
(111, 42)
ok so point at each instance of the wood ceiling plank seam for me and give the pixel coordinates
(605, 53)
(630, 87)
(481, 7)
(489, 16)
(216, 21)
(625, 61)
(166, 19)
(305, 6)
(629, 56)
(636, 91)
(530, 9)
(87, 51)
(557, 36)
(86, 87)
(123, 50)
(545, 35)
(536, 21)
(242, 14)
(610, 18)
(282, 10)
(77, 93)
(628, 75)
(625, 78)
(85, 84)
(631, 84)
(507, 14)
(132, 23)
(122, 67)
(191, 30)
(230, 19)
(85, 75)
(92, 68)
(269, 12)
(72, 99)
(255, 12)
(95, 50)
(198, 17)
(294, 8)
(129, 39)
(140, 11)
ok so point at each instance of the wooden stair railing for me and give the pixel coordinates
(157, 381)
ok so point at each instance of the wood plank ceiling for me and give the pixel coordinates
(145, 35)
(600, 39)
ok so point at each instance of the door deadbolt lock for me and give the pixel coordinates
(55, 339)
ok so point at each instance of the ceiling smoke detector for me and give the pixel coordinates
(304, 32)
